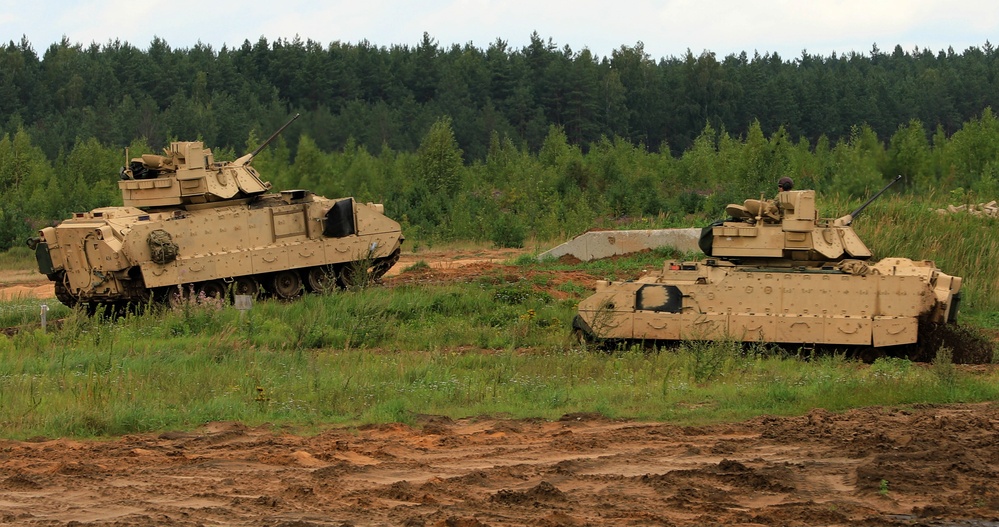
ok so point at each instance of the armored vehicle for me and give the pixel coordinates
(193, 225)
(777, 273)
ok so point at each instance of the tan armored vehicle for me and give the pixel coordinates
(775, 272)
(191, 224)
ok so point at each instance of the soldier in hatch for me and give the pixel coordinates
(785, 184)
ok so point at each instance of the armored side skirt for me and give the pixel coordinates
(701, 302)
(803, 329)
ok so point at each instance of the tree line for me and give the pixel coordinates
(375, 96)
(515, 194)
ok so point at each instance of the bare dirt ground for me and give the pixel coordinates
(927, 465)
(920, 466)
(15, 284)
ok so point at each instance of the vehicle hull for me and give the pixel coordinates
(872, 305)
(126, 254)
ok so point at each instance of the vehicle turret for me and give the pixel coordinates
(187, 174)
(785, 231)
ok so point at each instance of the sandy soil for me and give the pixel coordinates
(931, 466)
(15, 284)
(938, 465)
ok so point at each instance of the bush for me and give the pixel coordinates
(509, 232)
(690, 202)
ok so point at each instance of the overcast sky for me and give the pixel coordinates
(665, 27)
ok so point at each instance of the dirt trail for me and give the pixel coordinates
(924, 466)
(18, 284)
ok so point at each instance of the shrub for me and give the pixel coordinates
(509, 232)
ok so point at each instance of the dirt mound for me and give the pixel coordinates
(932, 465)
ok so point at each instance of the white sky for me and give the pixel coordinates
(666, 27)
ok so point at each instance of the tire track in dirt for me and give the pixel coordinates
(938, 463)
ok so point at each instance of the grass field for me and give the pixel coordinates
(496, 343)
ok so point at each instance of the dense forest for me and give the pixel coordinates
(497, 144)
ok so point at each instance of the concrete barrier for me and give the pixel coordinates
(595, 245)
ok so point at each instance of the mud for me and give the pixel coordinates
(916, 466)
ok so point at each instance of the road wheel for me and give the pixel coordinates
(212, 289)
(321, 279)
(353, 276)
(246, 285)
(177, 297)
(286, 284)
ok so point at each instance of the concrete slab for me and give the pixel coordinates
(594, 245)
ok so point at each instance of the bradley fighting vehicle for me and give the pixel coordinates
(192, 224)
(775, 272)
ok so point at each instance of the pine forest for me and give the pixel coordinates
(500, 144)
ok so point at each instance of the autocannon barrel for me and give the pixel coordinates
(853, 215)
(272, 137)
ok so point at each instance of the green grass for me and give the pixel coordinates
(18, 258)
(498, 345)
(377, 355)
(27, 311)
